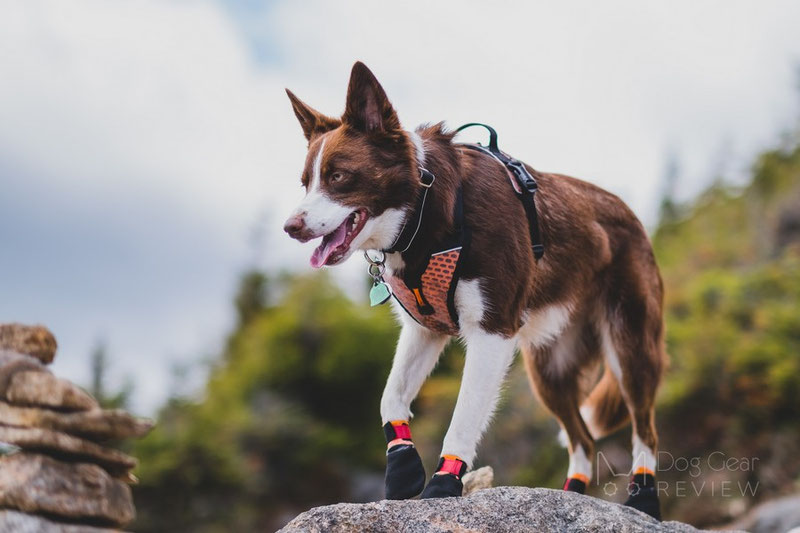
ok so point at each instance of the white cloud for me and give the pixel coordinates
(141, 140)
(143, 127)
(596, 89)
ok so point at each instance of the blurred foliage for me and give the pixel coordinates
(289, 416)
(731, 266)
(99, 388)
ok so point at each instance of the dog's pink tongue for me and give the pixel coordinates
(329, 243)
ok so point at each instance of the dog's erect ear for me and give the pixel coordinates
(368, 109)
(312, 121)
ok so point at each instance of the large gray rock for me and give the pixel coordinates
(16, 522)
(79, 492)
(502, 509)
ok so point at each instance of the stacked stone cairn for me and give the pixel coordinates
(57, 472)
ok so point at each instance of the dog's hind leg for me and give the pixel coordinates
(555, 377)
(418, 349)
(632, 340)
(604, 411)
(487, 361)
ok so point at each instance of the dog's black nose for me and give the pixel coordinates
(295, 226)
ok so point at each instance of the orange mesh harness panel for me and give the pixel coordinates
(428, 296)
(430, 301)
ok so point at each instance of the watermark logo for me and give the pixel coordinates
(610, 488)
(704, 475)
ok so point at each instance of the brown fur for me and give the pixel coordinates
(608, 407)
(598, 257)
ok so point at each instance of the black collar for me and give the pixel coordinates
(412, 224)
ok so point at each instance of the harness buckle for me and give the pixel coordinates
(524, 178)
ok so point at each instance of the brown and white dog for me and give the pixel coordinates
(587, 317)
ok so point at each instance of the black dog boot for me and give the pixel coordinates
(405, 475)
(643, 495)
(446, 482)
(576, 483)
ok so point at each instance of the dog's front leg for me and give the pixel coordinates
(487, 360)
(417, 351)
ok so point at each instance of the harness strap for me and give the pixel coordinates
(411, 225)
(525, 186)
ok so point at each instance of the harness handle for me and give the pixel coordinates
(492, 135)
(526, 182)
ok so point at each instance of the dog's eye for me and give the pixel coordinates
(336, 177)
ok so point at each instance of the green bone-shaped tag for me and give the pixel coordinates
(379, 293)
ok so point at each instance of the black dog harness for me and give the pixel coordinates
(428, 294)
(522, 181)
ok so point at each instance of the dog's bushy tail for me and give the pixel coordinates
(604, 411)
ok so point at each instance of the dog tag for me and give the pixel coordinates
(379, 293)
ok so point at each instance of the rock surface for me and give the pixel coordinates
(776, 516)
(80, 491)
(482, 478)
(43, 389)
(502, 509)
(15, 522)
(54, 458)
(68, 447)
(99, 424)
(36, 341)
(12, 363)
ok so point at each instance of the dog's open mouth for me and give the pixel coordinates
(335, 245)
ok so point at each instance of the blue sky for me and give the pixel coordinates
(148, 154)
